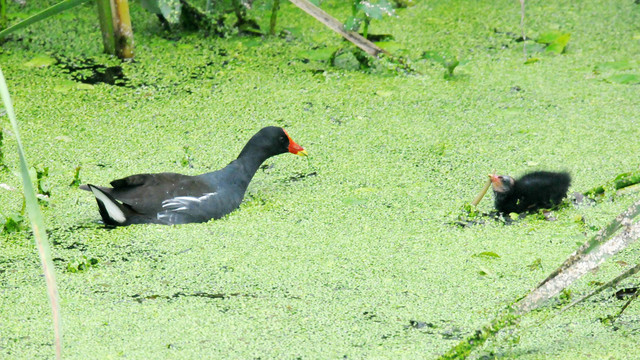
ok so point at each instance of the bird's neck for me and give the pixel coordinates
(241, 170)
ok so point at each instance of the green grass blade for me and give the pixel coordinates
(37, 221)
(44, 14)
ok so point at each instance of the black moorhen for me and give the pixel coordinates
(170, 198)
(533, 191)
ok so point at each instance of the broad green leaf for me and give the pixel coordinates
(613, 65)
(559, 44)
(352, 23)
(391, 46)
(433, 56)
(171, 10)
(376, 10)
(532, 60)
(627, 79)
(534, 47)
(151, 5)
(487, 254)
(549, 37)
(371, 10)
(40, 62)
(323, 54)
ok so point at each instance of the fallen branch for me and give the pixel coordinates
(611, 284)
(335, 25)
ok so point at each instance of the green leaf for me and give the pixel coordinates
(151, 5)
(40, 62)
(549, 37)
(532, 60)
(433, 56)
(626, 79)
(171, 10)
(485, 272)
(534, 47)
(371, 10)
(376, 10)
(487, 254)
(612, 65)
(559, 44)
(323, 54)
(352, 23)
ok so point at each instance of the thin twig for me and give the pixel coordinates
(481, 193)
(524, 37)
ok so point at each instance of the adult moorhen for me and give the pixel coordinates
(170, 198)
(533, 191)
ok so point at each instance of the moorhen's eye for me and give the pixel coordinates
(281, 138)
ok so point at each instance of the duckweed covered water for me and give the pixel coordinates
(357, 257)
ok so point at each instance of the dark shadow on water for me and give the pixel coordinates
(89, 72)
(300, 176)
(142, 298)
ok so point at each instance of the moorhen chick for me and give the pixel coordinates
(533, 191)
(170, 198)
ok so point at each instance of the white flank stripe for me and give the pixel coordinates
(181, 203)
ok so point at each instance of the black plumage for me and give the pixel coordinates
(533, 191)
(170, 198)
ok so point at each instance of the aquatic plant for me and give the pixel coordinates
(449, 62)
(37, 221)
(362, 12)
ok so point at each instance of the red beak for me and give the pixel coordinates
(295, 148)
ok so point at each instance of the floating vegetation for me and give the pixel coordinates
(81, 265)
(623, 181)
(76, 177)
(448, 61)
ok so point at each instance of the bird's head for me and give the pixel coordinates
(501, 183)
(270, 141)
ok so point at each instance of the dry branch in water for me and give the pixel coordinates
(586, 258)
(335, 25)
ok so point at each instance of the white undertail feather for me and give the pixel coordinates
(112, 209)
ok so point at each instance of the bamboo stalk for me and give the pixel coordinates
(123, 30)
(335, 25)
(115, 23)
